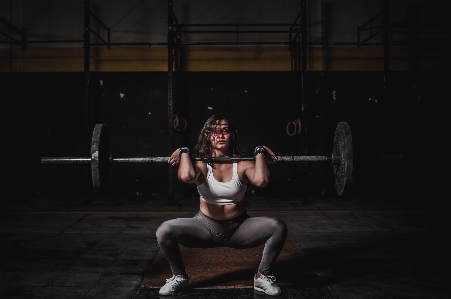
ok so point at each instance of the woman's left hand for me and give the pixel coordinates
(270, 157)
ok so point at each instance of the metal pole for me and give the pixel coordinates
(386, 42)
(86, 97)
(170, 97)
(304, 104)
(304, 34)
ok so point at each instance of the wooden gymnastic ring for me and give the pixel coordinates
(299, 126)
(175, 122)
(184, 127)
(287, 128)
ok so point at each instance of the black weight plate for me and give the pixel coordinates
(343, 149)
(100, 158)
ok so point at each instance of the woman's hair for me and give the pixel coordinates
(205, 150)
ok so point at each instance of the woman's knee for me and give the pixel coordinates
(278, 225)
(164, 230)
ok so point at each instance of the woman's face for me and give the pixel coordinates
(220, 135)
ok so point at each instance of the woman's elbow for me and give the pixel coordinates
(261, 182)
(187, 177)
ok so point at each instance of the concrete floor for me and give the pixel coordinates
(353, 247)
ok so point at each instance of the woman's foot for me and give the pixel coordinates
(266, 284)
(174, 284)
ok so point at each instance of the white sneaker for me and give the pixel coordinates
(174, 284)
(267, 285)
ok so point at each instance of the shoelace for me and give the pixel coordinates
(174, 279)
(271, 279)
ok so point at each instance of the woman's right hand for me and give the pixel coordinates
(174, 159)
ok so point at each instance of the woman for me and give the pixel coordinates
(222, 219)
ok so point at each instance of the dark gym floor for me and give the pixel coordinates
(353, 247)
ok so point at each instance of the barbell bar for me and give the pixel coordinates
(80, 160)
(101, 160)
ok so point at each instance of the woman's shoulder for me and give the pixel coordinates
(202, 169)
(245, 164)
(201, 164)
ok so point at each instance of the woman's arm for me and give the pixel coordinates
(187, 172)
(258, 172)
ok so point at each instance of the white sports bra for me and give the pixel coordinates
(220, 193)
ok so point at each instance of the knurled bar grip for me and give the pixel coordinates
(81, 160)
(229, 159)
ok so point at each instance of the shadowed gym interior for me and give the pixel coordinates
(290, 74)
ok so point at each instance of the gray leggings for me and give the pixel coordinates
(204, 232)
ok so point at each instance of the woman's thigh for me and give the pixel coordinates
(255, 231)
(189, 232)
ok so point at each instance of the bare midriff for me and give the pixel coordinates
(222, 212)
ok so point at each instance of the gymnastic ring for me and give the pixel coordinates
(299, 126)
(288, 125)
(175, 122)
(184, 127)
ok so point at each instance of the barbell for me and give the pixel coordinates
(101, 159)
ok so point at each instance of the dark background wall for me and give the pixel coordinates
(332, 21)
(54, 31)
(44, 117)
(43, 111)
